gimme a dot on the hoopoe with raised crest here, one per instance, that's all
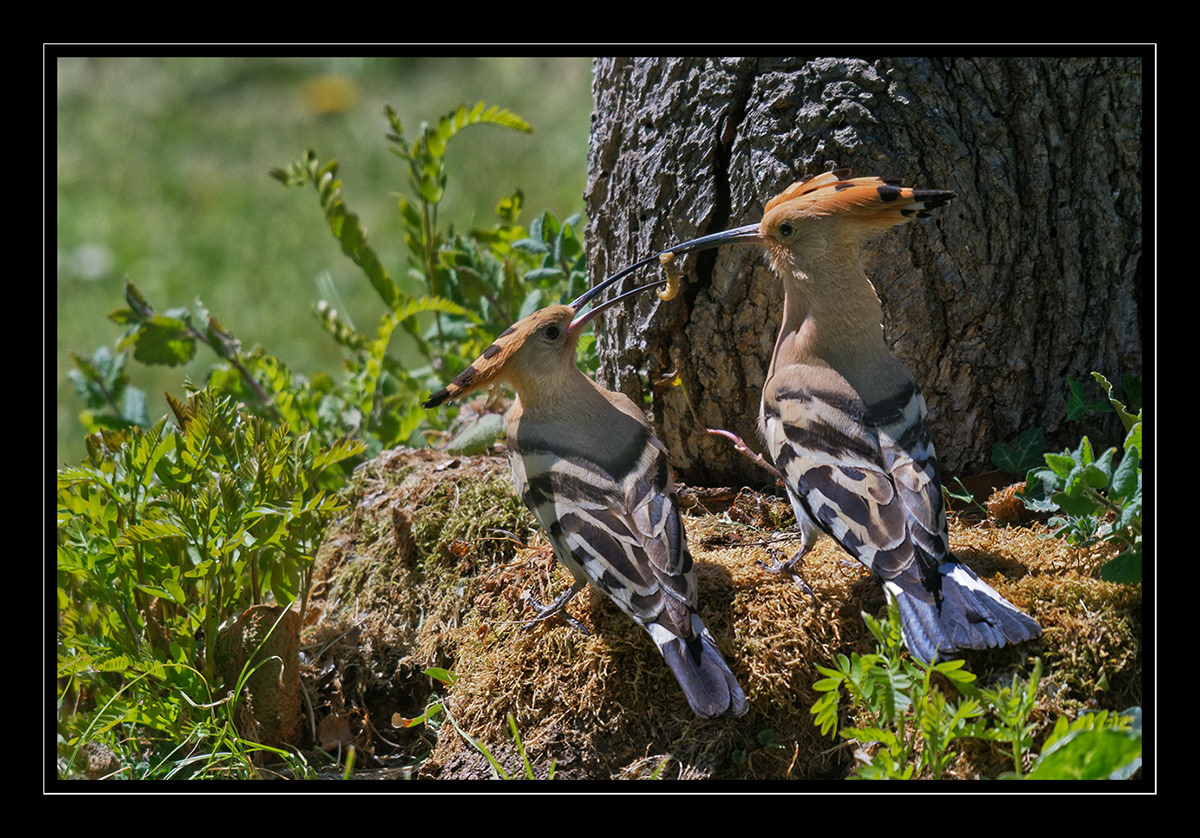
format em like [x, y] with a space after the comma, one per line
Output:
[843, 420]
[598, 481]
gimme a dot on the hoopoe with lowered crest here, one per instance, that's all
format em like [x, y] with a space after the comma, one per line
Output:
[598, 481]
[844, 421]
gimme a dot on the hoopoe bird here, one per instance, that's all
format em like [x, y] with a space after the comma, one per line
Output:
[598, 481]
[844, 421]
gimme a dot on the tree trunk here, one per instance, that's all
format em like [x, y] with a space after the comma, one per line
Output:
[1031, 277]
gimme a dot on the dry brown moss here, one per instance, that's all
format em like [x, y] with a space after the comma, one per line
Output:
[418, 576]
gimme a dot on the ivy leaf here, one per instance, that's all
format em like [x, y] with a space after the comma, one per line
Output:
[1021, 454]
[1078, 404]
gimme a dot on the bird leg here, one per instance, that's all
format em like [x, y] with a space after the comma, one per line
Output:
[776, 566]
[788, 567]
[558, 607]
[744, 449]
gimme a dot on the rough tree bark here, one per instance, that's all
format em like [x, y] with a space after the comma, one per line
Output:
[1032, 276]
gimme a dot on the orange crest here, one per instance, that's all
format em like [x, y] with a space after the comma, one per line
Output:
[879, 202]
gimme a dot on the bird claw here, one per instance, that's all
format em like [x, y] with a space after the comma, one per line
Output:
[556, 608]
[789, 567]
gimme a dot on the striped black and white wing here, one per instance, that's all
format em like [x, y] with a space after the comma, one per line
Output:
[866, 474]
[613, 520]
[612, 514]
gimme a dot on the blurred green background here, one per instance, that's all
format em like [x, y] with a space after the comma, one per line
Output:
[162, 178]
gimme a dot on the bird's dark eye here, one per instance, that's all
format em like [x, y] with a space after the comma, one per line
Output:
[786, 229]
[552, 333]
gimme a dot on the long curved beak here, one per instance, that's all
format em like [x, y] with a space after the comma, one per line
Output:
[595, 291]
[738, 235]
[581, 320]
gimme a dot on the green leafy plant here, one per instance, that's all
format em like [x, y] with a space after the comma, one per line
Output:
[165, 533]
[1025, 452]
[261, 383]
[1098, 498]
[103, 384]
[1012, 707]
[906, 717]
[207, 743]
[1019, 455]
[1096, 746]
[899, 707]
[475, 284]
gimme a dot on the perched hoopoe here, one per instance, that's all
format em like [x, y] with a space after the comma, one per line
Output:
[844, 421]
[598, 481]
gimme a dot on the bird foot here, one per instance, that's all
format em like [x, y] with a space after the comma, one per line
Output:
[556, 608]
[789, 567]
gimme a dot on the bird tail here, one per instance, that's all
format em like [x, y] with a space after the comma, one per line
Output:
[711, 689]
[972, 615]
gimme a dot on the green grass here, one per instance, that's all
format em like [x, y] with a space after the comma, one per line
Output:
[162, 177]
